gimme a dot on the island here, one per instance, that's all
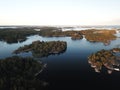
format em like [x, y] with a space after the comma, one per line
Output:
[75, 35]
[103, 35]
[15, 35]
[43, 49]
[105, 58]
[17, 73]
[92, 35]
[20, 34]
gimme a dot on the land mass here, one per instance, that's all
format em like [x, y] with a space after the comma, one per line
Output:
[43, 49]
[17, 73]
[14, 35]
[104, 35]
[106, 58]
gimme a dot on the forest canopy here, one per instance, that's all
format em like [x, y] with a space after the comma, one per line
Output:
[43, 49]
[17, 73]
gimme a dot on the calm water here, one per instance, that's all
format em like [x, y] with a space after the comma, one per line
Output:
[70, 69]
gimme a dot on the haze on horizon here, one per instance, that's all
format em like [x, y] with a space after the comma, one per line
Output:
[59, 12]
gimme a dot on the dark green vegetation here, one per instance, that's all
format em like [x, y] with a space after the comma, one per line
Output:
[73, 34]
[106, 58]
[43, 49]
[18, 73]
[15, 35]
[92, 35]
[104, 36]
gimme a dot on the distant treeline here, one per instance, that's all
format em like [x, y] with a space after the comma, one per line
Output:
[19, 34]
[99, 35]
[14, 35]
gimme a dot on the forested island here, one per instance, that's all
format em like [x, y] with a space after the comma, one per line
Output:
[43, 49]
[17, 73]
[104, 36]
[75, 35]
[15, 35]
[106, 58]
[20, 34]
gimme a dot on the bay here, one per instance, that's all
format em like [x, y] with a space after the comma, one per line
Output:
[71, 68]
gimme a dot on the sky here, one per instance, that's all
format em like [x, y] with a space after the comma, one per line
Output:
[59, 12]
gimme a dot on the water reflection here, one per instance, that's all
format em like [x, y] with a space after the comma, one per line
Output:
[18, 73]
[110, 59]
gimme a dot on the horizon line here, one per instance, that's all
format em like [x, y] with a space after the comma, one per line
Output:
[60, 25]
